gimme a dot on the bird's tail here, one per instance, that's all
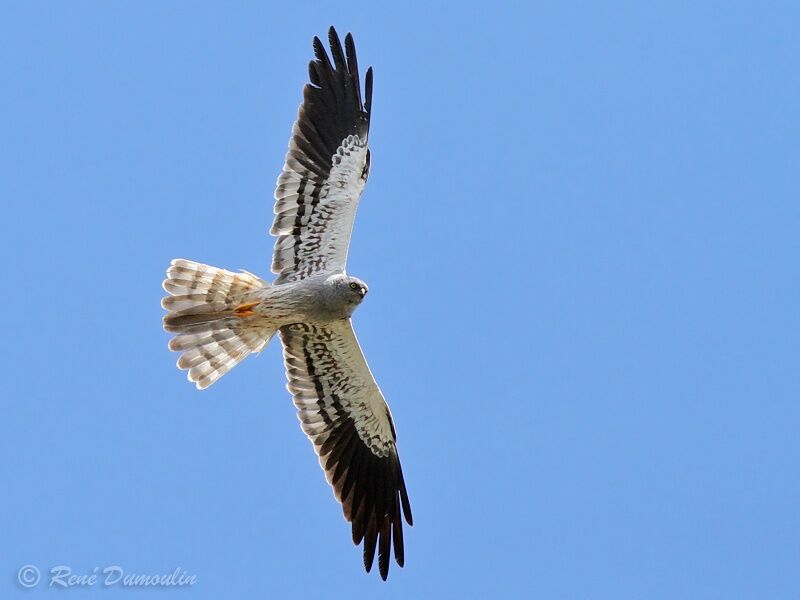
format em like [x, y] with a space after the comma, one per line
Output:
[208, 310]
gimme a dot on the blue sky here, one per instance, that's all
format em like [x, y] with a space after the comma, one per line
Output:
[580, 235]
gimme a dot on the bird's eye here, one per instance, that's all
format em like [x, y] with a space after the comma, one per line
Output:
[353, 285]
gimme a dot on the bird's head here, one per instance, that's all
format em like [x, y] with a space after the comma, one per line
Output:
[349, 291]
[356, 289]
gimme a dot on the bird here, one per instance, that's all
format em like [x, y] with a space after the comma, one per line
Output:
[219, 317]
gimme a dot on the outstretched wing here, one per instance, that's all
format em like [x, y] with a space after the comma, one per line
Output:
[343, 413]
[326, 167]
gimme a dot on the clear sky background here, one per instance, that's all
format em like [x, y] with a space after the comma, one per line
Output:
[580, 235]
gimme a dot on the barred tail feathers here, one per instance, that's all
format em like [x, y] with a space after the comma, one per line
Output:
[206, 311]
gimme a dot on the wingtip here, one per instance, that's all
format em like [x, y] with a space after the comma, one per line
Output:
[319, 49]
[368, 564]
[332, 34]
[336, 50]
[368, 91]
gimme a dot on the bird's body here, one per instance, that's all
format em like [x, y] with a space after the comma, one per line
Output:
[319, 300]
[220, 317]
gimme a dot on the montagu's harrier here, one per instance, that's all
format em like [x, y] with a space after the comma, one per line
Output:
[220, 317]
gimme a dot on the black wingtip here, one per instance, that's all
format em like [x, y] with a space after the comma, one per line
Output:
[339, 64]
[336, 49]
[370, 541]
[368, 92]
[369, 551]
[352, 64]
[319, 49]
[397, 536]
[385, 547]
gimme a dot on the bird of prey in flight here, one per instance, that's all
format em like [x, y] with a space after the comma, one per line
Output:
[219, 317]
